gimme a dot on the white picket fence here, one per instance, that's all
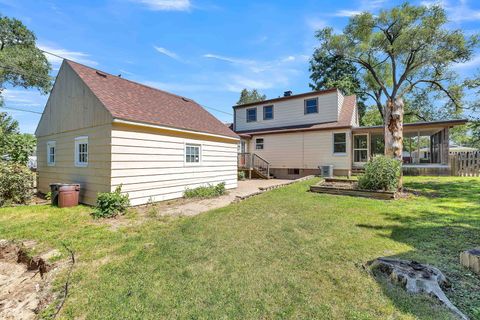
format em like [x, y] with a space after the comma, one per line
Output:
[466, 164]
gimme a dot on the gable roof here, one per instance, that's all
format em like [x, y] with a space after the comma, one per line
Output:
[132, 101]
[344, 121]
[293, 96]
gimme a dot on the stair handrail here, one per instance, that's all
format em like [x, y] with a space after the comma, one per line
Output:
[262, 160]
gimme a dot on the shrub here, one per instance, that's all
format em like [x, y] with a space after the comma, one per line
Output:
[16, 183]
[381, 173]
[110, 204]
[241, 175]
[206, 192]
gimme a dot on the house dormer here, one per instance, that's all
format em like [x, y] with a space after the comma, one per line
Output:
[290, 110]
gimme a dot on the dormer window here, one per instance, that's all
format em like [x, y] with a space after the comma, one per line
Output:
[267, 112]
[311, 106]
[252, 115]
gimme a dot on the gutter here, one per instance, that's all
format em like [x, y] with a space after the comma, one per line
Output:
[154, 126]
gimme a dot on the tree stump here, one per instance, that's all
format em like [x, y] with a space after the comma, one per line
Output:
[415, 277]
[471, 260]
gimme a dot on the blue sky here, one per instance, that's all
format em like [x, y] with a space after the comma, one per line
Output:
[203, 49]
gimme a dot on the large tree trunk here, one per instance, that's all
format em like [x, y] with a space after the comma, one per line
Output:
[393, 130]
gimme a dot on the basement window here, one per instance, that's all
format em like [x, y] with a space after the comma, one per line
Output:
[293, 171]
[81, 151]
[51, 148]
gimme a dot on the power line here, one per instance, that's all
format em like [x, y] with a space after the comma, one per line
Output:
[218, 110]
[58, 56]
[10, 108]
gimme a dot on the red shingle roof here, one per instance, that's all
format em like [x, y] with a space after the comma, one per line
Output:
[344, 121]
[131, 101]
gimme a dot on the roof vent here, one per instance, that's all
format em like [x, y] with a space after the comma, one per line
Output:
[287, 93]
[185, 99]
[101, 74]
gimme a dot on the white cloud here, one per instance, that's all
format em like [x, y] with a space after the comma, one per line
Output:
[364, 5]
[346, 13]
[167, 52]
[474, 63]
[55, 60]
[166, 5]
[227, 59]
[23, 98]
[316, 24]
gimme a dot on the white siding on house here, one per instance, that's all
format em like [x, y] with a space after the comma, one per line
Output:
[303, 150]
[149, 164]
[93, 178]
[291, 112]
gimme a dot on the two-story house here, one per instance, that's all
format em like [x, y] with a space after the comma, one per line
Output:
[292, 136]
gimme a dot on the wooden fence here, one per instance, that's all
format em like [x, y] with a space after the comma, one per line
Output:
[465, 164]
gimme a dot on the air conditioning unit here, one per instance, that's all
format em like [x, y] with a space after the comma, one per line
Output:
[327, 171]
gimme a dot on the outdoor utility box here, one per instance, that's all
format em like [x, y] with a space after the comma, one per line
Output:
[327, 171]
[65, 195]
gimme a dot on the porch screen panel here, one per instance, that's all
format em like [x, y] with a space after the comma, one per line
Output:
[360, 148]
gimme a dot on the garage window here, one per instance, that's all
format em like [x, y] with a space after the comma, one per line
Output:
[192, 153]
[51, 148]
[81, 151]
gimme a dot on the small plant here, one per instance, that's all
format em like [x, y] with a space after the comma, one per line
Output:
[209, 191]
[16, 183]
[110, 204]
[241, 175]
[381, 173]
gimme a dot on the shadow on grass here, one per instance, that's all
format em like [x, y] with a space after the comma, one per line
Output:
[438, 229]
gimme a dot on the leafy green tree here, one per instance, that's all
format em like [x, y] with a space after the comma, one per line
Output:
[399, 51]
[14, 146]
[328, 72]
[21, 62]
[250, 96]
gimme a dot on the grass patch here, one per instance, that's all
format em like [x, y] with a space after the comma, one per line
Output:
[286, 253]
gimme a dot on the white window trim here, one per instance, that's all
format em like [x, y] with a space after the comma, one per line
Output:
[49, 145]
[263, 144]
[339, 154]
[81, 140]
[360, 149]
[200, 154]
[256, 114]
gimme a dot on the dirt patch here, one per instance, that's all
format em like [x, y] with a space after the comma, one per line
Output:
[25, 281]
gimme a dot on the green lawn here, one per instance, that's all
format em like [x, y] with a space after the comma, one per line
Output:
[287, 253]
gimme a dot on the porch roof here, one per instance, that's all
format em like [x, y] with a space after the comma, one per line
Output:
[431, 125]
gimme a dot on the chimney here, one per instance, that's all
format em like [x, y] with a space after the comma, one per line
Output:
[287, 93]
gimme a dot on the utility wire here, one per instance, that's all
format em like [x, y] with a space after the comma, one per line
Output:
[10, 108]
[58, 56]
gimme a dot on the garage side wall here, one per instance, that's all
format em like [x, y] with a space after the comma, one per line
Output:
[150, 163]
[93, 178]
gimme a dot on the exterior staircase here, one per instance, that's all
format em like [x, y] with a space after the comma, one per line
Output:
[255, 164]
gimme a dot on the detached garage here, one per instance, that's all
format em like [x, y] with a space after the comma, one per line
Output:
[101, 131]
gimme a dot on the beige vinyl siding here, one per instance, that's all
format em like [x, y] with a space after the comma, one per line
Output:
[92, 179]
[71, 106]
[149, 163]
[291, 112]
[303, 150]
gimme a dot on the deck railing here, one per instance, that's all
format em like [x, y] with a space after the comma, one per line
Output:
[466, 164]
[244, 160]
